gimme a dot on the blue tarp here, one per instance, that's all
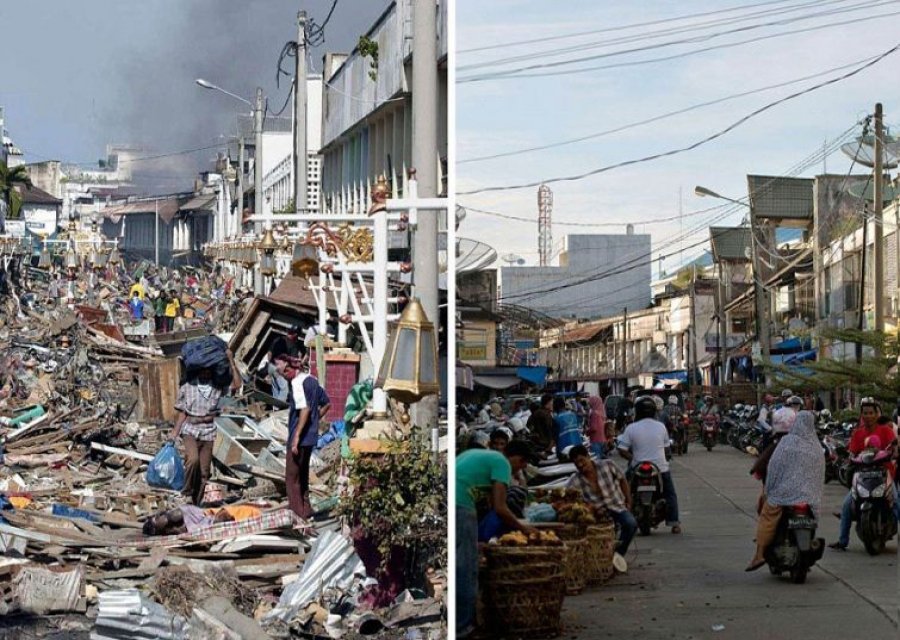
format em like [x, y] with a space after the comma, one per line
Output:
[535, 375]
[790, 359]
[792, 345]
[681, 376]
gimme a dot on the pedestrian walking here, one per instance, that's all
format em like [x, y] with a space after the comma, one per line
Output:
[309, 403]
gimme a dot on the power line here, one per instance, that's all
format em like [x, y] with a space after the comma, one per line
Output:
[697, 144]
[634, 25]
[516, 73]
[648, 259]
[658, 34]
[663, 116]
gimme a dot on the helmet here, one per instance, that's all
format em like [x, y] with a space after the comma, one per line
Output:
[783, 420]
[826, 414]
[794, 401]
[517, 425]
[673, 399]
[787, 393]
[506, 430]
[738, 406]
[481, 438]
[658, 402]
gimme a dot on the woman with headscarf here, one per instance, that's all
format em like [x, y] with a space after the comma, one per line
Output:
[796, 475]
[597, 426]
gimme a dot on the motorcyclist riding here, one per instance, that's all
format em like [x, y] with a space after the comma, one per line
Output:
[646, 440]
[869, 412]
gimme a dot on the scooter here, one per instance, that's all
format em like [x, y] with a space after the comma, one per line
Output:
[710, 431]
[649, 504]
[796, 547]
[872, 494]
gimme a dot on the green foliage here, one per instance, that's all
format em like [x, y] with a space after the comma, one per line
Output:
[874, 375]
[9, 178]
[399, 499]
[287, 208]
[368, 48]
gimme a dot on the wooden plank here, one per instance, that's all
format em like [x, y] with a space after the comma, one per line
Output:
[122, 452]
[158, 384]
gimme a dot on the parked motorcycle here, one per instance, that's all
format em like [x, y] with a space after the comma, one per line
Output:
[796, 547]
[647, 490]
[872, 494]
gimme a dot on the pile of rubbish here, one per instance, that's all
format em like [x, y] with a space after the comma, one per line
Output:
[82, 415]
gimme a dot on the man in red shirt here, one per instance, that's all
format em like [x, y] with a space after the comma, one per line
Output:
[869, 413]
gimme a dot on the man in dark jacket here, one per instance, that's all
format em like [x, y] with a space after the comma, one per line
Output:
[540, 425]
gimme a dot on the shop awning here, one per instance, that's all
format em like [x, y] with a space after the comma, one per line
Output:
[535, 375]
[790, 359]
[497, 382]
[673, 376]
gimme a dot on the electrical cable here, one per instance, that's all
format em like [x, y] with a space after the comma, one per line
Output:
[830, 148]
[508, 45]
[516, 73]
[663, 116]
[730, 209]
[543, 54]
[697, 144]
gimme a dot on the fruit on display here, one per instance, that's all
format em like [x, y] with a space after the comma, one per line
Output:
[576, 513]
[519, 539]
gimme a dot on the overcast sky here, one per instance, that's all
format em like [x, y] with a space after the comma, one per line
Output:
[501, 115]
[80, 74]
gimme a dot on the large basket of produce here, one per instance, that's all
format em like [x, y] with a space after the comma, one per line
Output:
[601, 543]
[525, 585]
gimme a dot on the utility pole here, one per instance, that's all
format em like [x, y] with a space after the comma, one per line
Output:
[878, 218]
[425, 159]
[860, 322]
[156, 231]
[762, 325]
[625, 345]
[300, 142]
[242, 180]
[258, 181]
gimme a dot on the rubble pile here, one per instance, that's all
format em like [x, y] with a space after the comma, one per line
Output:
[82, 413]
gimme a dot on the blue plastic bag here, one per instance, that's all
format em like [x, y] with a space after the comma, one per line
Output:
[166, 469]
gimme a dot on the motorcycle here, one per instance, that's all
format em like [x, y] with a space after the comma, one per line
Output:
[796, 547]
[710, 431]
[647, 489]
[680, 435]
[837, 462]
[872, 495]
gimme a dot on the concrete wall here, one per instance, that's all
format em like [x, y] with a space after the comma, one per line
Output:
[588, 257]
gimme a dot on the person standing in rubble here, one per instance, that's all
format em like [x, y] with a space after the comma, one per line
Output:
[309, 403]
[159, 312]
[198, 407]
[173, 308]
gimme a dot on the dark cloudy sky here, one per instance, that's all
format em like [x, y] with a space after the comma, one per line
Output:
[79, 74]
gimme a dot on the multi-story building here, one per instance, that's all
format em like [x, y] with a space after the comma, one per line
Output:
[278, 157]
[598, 275]
[367, 112]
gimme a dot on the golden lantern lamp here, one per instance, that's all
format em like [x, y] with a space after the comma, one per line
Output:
[114, 257]
[305, 261]
[44, 261]
[409, 368]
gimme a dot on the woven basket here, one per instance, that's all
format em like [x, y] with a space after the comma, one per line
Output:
[524, 590]
[573, 565]
[601, 543]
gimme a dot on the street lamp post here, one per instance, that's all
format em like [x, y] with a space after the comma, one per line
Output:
[257, 161]
[760, 293]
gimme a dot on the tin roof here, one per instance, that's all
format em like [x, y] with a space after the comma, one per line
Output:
[730, 243]
[781, 198]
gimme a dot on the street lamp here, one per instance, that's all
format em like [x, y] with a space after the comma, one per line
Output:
[268, 246]
[409, 366]
[209, 85]
[760, 293]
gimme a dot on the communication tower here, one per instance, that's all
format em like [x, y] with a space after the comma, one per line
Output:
[545, 224]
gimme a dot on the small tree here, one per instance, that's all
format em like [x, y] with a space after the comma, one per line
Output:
[9, 179]
[874, 374]
[398, 501]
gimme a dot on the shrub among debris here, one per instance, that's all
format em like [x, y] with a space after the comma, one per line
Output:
[398, 502]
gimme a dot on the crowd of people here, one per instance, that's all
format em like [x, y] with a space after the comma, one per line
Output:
[497, 447]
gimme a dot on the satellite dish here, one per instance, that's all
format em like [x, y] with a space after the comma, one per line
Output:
[512, 259]
[863, 150]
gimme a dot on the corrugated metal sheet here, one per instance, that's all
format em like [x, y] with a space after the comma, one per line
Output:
[200, 203]
[331, 563]
[781, 198]
[128, 615]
